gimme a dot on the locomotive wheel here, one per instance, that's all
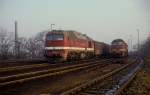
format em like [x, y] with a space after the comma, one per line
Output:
[71, 56]
[82, 55]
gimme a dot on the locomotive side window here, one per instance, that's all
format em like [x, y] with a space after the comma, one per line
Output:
[55, 37]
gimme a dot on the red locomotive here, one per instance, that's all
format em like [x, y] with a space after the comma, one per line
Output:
[119, 48]
[67, 45]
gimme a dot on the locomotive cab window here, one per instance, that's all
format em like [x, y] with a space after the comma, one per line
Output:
[55, 37]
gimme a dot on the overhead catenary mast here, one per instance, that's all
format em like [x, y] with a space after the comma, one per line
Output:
[52, 27]
[138, 41]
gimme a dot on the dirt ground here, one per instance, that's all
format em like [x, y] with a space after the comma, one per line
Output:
[141, 83]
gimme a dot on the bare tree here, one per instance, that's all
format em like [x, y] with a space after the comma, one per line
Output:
[29, 48]
[32, 47]
[40, 39]
[145, 48]
[6, 44]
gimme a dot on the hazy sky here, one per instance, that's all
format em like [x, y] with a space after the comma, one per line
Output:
[102, 20]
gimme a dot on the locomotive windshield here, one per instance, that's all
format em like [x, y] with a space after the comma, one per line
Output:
[55, 37]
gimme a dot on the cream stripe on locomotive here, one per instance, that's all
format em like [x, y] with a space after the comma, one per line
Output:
[72, 48]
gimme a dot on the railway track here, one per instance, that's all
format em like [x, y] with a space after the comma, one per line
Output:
[110, 83]
[21, 78]
[16, 70]
[39, 79]
[30, 66]
[126, 79]
[7, 71]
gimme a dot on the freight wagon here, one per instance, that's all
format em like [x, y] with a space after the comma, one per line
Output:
[101, 49]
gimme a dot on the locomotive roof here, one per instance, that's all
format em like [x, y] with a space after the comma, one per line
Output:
[71, 34]
[118, 40]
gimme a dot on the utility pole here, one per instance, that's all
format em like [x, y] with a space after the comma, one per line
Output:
[128, 42]
[16, 41]
[131, 42]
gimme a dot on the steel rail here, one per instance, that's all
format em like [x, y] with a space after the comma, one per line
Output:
[22, 67]
[22, 60]
[119, 91]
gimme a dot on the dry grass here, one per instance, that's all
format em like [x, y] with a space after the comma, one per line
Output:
[141, 84]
